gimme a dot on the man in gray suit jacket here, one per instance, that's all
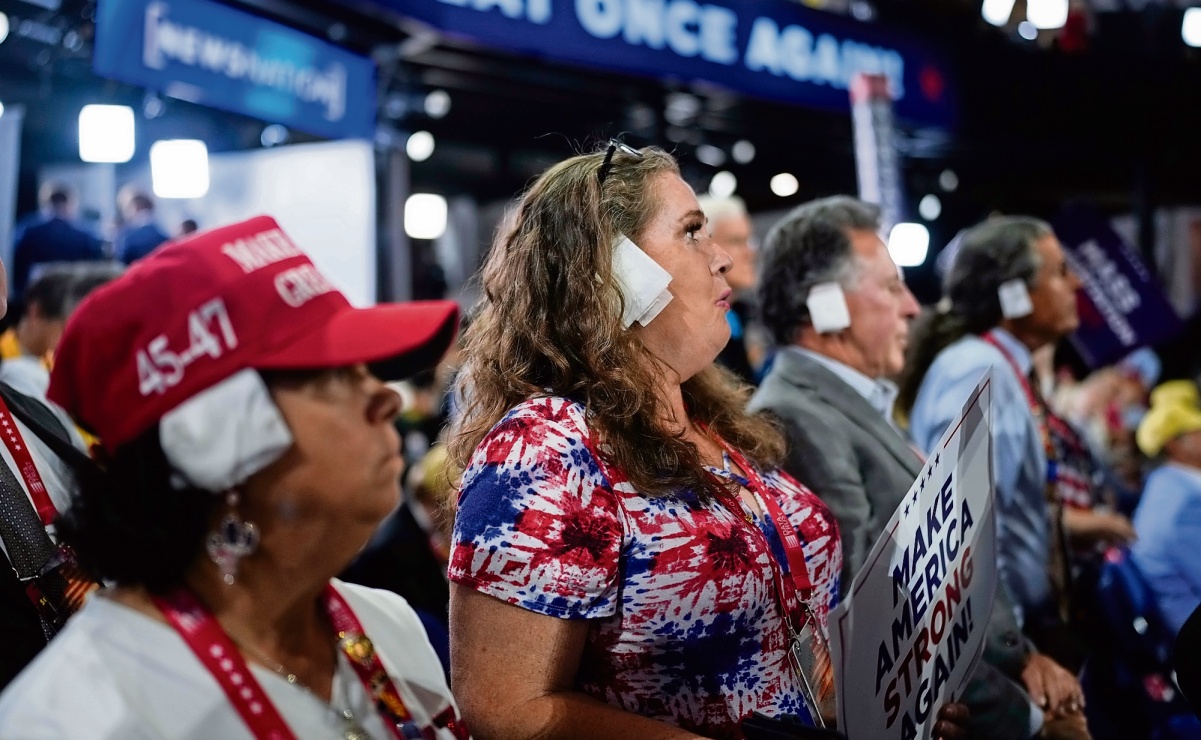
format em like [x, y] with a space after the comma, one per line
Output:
[840, 310]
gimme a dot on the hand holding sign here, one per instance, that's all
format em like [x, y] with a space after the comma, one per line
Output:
[909, 633]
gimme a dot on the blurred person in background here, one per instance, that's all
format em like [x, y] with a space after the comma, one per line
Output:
[27, 349]
[830, 390]
[249, 454]
[41, 585]
[731, 228]
[1168, 517]
[1008, 292]
[617, 565]
[410, 552]
[139, 234]
[52, 235]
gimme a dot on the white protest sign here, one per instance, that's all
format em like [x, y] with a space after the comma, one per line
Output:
[911, 629]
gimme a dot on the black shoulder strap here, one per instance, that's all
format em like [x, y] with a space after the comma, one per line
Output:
[48, 427]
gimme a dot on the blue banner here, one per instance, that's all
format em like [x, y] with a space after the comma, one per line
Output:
[1122, 307]
[210, 54]
[773, 49]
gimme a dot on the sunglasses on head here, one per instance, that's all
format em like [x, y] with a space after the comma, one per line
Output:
[607, 165]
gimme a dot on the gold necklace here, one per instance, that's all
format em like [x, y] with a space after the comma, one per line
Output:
[351, 729]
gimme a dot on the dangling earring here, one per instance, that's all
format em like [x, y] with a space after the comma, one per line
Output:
[233, 540]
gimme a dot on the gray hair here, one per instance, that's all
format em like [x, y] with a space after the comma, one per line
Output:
[719, 209]
[809, 246]
[992, 253]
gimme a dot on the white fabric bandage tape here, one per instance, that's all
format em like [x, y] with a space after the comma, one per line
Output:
[225, 434]
[642, 281]
[1015, 299]
[828, 310]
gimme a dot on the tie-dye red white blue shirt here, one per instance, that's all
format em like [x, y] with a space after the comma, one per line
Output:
[686, 622]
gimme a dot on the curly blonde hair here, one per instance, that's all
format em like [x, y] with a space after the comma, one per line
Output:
[549, 322]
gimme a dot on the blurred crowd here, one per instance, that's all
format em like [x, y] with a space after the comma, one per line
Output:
[618, 498]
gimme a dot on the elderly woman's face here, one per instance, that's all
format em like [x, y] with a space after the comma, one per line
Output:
[345, 465]
[692, 330]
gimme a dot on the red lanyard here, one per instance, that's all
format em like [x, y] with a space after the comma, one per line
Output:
[1037, 407]
[218, 653]
[24, 461]
[793, 550]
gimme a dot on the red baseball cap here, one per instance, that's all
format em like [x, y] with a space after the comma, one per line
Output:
[200, 309]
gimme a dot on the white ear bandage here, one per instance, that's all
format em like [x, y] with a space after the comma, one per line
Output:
[828, 310]
[226, 433]
[642, 281]
[1015, 299]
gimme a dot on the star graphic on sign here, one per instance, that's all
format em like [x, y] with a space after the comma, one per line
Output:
[937, 457]
[922, 487]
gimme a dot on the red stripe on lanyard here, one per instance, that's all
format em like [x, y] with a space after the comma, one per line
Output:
[25, 465]
[221, 656]
[1037, 408]
[209, 643]
[797, 567]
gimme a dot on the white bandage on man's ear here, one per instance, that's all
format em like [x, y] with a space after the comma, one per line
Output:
[642, 281]
[1015, 299]
[828, 310]
[225, 434]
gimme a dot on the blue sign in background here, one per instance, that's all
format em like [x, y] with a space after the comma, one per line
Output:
[1122, 307]
[767, 48]
[217, 56]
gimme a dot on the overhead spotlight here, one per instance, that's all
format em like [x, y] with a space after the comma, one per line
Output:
[179, 168]
[106, 133]
[682, 108]
[997, 12]
[274, 134]
[1, 110]
[420, 146]
[863, 11]
[948, 181]
[1047, 14]
[743, 152]
[1028, 30]
[1190, 29]
[437, 104]
[785, 184]
[3, 26]
[908, 244]
[710, 155]
[425, 216]
[152, 106]
[723, 184]
[930, 207]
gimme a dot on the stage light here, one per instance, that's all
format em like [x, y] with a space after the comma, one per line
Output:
[908, 244]
[710, 155]
[1047, 14]
[1190, 29]
[437, 104]
[425, 216]
[106, 133]
[997, 12]
[930, 207]
[743, 152]
[420, 146]
[785, 184]
[179, 168]
[723, 184]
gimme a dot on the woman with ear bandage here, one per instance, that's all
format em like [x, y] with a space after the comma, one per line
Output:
[248, 454]
[627, 559]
